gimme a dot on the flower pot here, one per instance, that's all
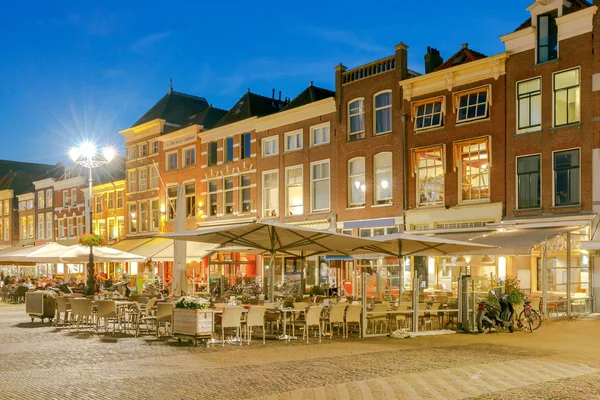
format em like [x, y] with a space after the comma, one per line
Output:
[192, 322]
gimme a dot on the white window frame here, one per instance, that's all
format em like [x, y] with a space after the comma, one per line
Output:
[554, 97]
[120, 200]
[167, 155]
[41, 224]
[423, 103]
[273, 142]
[79, 225]
[458, 163]
[361, 133]
[132, 183]
[350, 179]
[541, 180]
[151, 211]
[320, 127]
[41, 199]
[531, 128]
[171, 203]
[49, 225]
[143, 150]
[390, 169]
[184, 156]
[49, 198]
[187, 197]
[376, 109]
[554, 178]
[154, 147]
[287, 186]
[297, 133]
[153, 176]
[264, 205]
[242, 188]
[132, 152]
[225, 192]
[488, 103]
[143, 220]
[312, 180]
[133, 217]
[417, 168]
[66, 199]
[73, 197]
[209, 203]
[226, 153]
[143, 179]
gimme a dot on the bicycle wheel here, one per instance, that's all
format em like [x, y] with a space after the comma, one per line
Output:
[536, 320]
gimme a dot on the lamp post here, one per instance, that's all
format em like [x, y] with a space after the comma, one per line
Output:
[86, 155]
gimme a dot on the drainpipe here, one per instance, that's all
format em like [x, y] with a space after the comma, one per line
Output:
[404, 174]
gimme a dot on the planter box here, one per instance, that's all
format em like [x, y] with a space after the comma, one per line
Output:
[192, 322]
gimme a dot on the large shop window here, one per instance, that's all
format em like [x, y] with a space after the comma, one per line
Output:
[213, 205]
[566, 177]
[190, 200]
[246, 199]
[566, 97]
[383, 112]
[320, 186]
[528, 182]
[228, 195]
[547, 37]
[356, 120]
[428, 113]
[428, 166]
[172, 201]
[382, 164]
[529, 105]
[356, 182]
[294, 183]
[270, 194]
[473, 162]
[472, 105]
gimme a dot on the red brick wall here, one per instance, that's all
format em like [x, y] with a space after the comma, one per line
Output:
[573, 52]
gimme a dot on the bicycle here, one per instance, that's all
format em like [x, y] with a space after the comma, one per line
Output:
[529, 318]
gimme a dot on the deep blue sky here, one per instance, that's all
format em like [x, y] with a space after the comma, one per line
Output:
[89, 69]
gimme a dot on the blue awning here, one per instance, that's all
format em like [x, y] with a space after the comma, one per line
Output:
[338, 258]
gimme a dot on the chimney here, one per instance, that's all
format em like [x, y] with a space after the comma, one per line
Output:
[401, 60]
[432, 59]
[465, 45]
[273, 94]
[279, 95]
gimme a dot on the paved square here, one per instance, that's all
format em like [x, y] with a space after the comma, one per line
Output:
[561, 360]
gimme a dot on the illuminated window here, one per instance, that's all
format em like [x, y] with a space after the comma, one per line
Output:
[228, 195]
[529, 107]
[429, 171]
[154, 214]
[294, 199]
[356, 120]
[245, 183]
[566, 97]
[213, 206]
[356, 182]
[382, 165]
[190, 200]
[473, 163]
[270, 194]
[319, 176]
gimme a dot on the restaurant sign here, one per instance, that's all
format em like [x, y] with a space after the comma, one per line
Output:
[191, 138]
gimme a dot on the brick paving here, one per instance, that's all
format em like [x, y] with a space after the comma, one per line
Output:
[39, 361]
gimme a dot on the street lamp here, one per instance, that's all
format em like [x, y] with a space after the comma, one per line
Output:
[86, 155]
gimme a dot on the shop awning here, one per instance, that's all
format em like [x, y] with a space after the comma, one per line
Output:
[511, 241]
[130, 244]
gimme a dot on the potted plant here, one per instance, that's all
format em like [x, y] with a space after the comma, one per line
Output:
[192, 317]
[91, 240]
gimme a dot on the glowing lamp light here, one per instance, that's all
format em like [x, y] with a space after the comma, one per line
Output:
[74, 153]
[484, 166]
[132, 215]
[162, 208]
[363, 188]
[384, 184]
[431, 265]
[87, 149]
[357, 184]
[502, 268]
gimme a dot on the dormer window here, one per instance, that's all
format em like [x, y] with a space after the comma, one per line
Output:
[547, 37]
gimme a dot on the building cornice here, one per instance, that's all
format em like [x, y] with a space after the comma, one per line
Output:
[140, 131]
[25, 196]
[108, 187]
[447, 79]
[179, 133]
[245, 125]
[6, 194]
[71, 182]
[44, 183]
[298, 114]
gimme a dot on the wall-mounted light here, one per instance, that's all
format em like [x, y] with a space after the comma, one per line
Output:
[461, 259]
[487, 259]
[162, 208]
[431, 265]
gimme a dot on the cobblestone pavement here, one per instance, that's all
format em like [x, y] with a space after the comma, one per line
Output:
[39, 361]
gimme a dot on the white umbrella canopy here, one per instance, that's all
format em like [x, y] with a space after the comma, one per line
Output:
[408, 244]
[77, 254]
[38, 253]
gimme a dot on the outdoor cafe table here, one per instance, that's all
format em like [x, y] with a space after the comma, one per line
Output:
[284, 312]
